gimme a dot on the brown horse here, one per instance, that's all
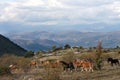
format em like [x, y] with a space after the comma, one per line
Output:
[51, 64]
[77, 64]
[33, 63]
[13, 67]
[45, 63]
[86, 65]
[55, 64]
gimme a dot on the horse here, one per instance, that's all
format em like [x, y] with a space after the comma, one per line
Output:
[33, 63]
[77, 64]
[55, 64]
[45, 63]
[86, 66]
[13, 67]
[113, 61]
[67, 66]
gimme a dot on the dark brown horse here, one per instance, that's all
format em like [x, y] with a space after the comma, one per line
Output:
[113, 61]
[67, 66]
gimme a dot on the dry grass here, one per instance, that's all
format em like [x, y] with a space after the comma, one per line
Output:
[42, 73]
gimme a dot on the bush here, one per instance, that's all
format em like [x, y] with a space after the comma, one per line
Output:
[69, 56]
[4, 70]
[67, 46]
[29, 54]
[99, 58]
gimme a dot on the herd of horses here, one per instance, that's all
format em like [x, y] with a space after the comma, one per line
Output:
[83, 65]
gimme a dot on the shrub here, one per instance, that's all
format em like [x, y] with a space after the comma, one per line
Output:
[99, 59]
[69, 56]
[4, 70]
[29, 54]
[67, 46]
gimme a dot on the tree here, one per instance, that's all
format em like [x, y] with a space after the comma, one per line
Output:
[53, 48]
[99, 55]
[67, 46]
[117, 47]
[29, 54]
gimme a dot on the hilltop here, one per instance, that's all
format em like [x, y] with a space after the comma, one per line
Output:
[7, 46]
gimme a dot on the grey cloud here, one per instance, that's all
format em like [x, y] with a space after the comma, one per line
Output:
[67, 12]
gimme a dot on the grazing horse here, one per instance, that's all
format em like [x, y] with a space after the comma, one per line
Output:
[113, 61]
[55, 64]
[13, 67]
[33, 63]
[67, 66]
[86, 66]
[45, 63]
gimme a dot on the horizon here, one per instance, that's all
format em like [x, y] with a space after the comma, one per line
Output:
[59, 15]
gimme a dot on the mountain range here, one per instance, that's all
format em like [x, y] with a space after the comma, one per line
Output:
[43, 40]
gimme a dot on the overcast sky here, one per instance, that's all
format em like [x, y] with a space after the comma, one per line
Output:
[18, 15]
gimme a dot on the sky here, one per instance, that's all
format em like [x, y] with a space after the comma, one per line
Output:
[55, 15]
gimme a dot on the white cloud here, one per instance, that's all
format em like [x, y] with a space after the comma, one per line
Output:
[55, 12]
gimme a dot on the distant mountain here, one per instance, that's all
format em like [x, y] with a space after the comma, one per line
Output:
[45, 40]
[35, 44]
[7, 46]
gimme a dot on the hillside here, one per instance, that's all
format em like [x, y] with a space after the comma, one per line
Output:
[46, 71]
[7, 46]
[45, 40]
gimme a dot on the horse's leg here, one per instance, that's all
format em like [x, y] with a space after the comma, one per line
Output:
[64, 68]
[91, 69]
[76, 68]
[111, 63]
[36, 66]
[82, 69]
[115, 63]
[70, 69]
[118, 63]
[86, 69]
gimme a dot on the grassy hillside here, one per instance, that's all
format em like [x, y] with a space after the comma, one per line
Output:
[25, 72]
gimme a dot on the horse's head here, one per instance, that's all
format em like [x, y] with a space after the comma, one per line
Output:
[57, 61]
[109, 59]
[82, 62]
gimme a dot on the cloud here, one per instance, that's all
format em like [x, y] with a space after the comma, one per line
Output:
[57, 12]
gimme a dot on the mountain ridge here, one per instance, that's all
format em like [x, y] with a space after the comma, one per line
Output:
[74, 38]
[9, 47]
